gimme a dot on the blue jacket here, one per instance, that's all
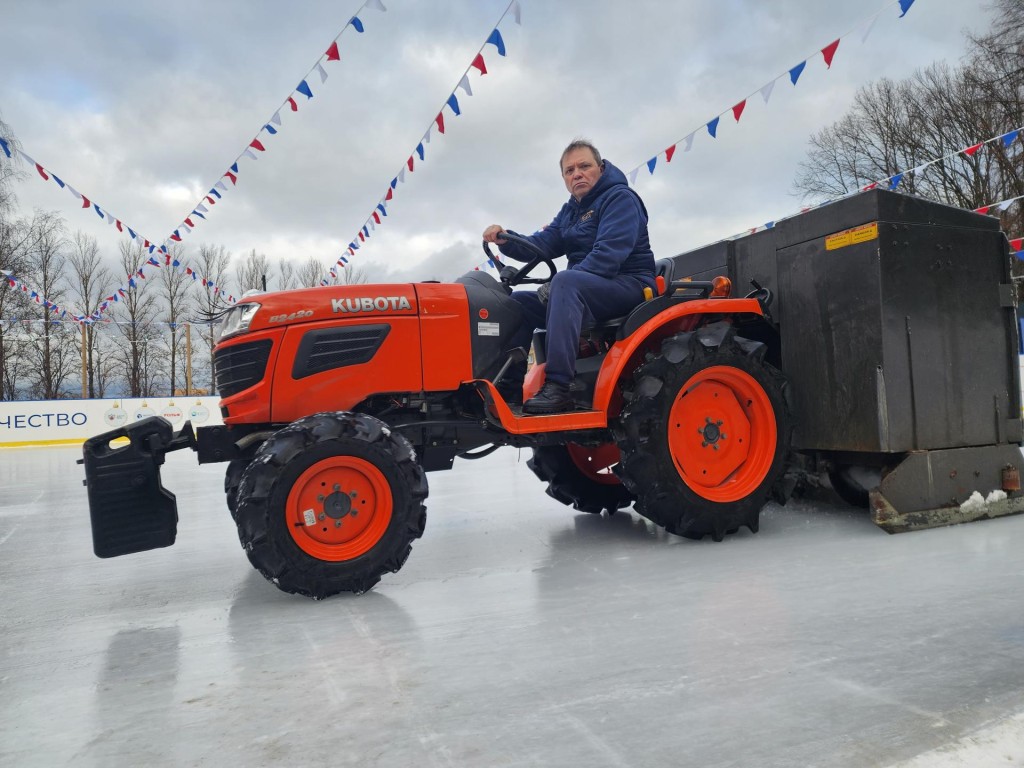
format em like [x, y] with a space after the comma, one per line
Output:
[604, 233]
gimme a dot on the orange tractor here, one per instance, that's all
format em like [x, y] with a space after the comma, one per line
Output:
[877, 345]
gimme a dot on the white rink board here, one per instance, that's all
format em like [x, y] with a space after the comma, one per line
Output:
[63, 422]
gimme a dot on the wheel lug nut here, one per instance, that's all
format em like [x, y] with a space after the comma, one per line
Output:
[337, 523]
[353, 494]
[337, 487]
[322, 516]
[320, 498]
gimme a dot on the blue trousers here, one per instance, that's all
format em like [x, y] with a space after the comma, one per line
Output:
[577, 299]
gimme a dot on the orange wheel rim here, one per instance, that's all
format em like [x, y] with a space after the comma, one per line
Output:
[596, 463]
[722, 433]
[339, 508]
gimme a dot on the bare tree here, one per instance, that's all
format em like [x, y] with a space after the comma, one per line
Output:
[310, 273]
[55, 354]
[134, 317]
[212, 266]
[287, 275]
[178, 293]
[252, 273]
[89, 281]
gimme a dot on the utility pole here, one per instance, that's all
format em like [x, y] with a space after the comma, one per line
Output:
[85, 367]
[188, 359]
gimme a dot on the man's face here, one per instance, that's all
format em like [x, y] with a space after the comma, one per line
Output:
[580, 172]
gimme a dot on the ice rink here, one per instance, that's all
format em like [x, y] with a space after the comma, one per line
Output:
[519, 633]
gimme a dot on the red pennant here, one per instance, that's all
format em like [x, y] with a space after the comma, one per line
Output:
[971, 150]
[409, 162]
[230, 175]
[42, 172]
[669, 152]
[332, 52]
[145, 243]
[294, 106]
[478, 62]
[829, 51]
[738, 110]
[983, 210]
[1015, 245]
[869, 187]
[212, 201]
[176, 238]
[390, 194]
[362, 237]
[117, 222]
[85, 202]
[440, 122]
[376, 217]
[189, 222]
[257, 144]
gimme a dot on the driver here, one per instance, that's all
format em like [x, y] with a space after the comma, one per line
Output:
[602, 230]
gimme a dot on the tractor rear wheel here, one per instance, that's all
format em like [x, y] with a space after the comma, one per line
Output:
[581, 476]
[232, 479]
[330, 503]
[704, 435]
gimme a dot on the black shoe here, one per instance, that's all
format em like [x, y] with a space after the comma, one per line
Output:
[552, 398]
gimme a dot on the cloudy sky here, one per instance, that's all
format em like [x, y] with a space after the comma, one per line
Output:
[143, 106]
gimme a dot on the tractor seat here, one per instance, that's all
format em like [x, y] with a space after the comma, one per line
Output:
[663, 277]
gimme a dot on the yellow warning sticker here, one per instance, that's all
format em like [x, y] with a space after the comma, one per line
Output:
[852, 236]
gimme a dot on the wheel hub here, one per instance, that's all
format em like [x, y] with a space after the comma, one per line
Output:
[338, 505]
[711, 433]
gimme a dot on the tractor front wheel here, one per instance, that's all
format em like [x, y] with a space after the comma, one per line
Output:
[330, 503]
[704, 435]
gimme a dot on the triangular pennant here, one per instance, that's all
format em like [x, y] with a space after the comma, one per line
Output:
[332, 52]
[440, 122]
[766, 91]
[419, 150]
[688, 145]
[408, 163]
[322, 72]
[795, 72]
[713, 127]
[651, 163]
[737, 110]
[257, 144]
[971, 150]
[1008, 138]
[276, 119]
[517, 12]
[829, 52]
[478, 62]
[867, 30]
[270, 129]
[905, 6]
[291, 103]
[632, 176]
[375, 4]
[895, 181]
[5, 147]
[669, 152]
[454, 104]
[303, 88]
[464, 85]
[497, 42]
[355, 22]
[42, 172]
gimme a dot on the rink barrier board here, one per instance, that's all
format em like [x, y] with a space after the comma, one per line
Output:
[41, 423]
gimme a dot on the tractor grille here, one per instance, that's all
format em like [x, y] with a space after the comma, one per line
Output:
[240, 366]
[329, 348]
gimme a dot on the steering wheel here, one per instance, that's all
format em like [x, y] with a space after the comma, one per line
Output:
[520, 277]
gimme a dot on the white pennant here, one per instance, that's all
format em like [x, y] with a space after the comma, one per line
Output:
[632, 176]
[276, 119]
[74, 192]
[322, 71]
[766, 92]
[250, 154]
[1007, 203]
[375, 4]
[202, 208]
[689, 143]
[220, 185]
[517, 12]
[401, 176]
[110, 219]
[464, 85]
[426, 136]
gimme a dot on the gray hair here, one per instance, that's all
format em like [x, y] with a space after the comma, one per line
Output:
[579, 143]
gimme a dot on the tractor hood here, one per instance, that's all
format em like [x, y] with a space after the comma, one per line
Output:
[305, 305]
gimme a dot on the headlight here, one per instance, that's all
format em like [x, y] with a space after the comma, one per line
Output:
[237, 319]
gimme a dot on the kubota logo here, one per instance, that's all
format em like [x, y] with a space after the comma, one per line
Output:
[366, 304]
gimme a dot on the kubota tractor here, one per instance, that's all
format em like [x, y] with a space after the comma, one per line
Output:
[876, 344]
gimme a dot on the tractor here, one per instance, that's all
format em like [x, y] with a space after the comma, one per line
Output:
[872, 341]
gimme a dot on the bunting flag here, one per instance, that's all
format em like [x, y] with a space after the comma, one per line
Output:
[827, 54]
[86, 204]
[272, 126]
[451, 102]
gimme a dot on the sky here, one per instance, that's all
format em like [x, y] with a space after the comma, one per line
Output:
[142, 107]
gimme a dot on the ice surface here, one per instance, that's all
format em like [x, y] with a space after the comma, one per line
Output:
[519, 633]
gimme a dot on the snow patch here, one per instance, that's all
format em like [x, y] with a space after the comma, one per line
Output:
[975, 503]
[996, 495]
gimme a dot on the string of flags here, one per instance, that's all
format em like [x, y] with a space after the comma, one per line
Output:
[159, 255]
[892, 182]
[16, 283]
[451, 104]
[827, 53]
[302, 94]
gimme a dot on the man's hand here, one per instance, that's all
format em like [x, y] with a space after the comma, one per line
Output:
[543, 292]
[493, 234]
